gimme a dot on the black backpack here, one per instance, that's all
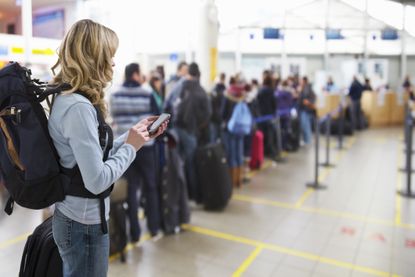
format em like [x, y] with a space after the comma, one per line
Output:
[40, 255]
[29, 161]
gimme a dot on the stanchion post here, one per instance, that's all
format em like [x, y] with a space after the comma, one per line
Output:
[328, 127]
[408, 191]
[407, 136]
[315, 184]
[340, 130]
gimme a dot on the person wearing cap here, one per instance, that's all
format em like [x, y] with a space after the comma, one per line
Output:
[191, 120]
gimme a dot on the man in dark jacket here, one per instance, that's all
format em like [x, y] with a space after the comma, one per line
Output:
[191, 120]
[307, 109]
[267, 107]
[128, 105]
[355, 94]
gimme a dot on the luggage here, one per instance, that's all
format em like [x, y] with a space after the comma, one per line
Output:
[335, 127]
[118, 219]
[257, 150]
[41, 256]
[173, 188]
[292, 136]
[213, 176]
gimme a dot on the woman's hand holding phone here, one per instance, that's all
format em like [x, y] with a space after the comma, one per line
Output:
[138, 135]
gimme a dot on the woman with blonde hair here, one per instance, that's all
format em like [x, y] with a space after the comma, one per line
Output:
[80, 220]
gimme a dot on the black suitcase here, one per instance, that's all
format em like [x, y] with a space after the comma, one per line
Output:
[213, 176]
[118, 219]
[292, 135]
[173, 188]
[40, 255]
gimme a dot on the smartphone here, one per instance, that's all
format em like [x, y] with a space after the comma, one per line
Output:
[152, 129]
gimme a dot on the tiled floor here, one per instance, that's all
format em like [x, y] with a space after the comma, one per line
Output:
[275, 226]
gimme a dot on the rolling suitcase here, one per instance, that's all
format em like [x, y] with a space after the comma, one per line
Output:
[173, 188]
[213, 176]
[257, 150]
[40, 255]
[118, 219]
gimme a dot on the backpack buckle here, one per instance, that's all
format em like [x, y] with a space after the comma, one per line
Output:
[16, 113]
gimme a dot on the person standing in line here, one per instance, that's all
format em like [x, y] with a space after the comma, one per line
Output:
[190, 121]
[218, 101]
[156, 85]
[367, 86]
[85, 62]
[129, 104]
[173, 86]
[267, 107]
[307, 109]
[355, 94]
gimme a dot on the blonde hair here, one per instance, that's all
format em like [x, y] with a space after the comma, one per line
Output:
[85, 60]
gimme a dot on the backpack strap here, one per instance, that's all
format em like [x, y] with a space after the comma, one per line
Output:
[77, 188]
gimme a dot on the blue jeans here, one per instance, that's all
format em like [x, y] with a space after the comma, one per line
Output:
[234, 149]
[187, 147]
[305, 119]
[84, 248]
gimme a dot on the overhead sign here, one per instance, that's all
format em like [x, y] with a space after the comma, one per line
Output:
[334, 34]
[272, 33]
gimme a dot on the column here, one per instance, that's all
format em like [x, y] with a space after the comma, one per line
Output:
[207, 41]
[27, 29]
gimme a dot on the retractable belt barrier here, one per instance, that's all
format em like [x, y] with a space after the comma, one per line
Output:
[326, 118]
[408, 132]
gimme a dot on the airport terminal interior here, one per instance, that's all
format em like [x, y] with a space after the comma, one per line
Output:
[317, 178]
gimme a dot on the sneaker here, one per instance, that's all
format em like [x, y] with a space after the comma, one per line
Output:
[157, 237]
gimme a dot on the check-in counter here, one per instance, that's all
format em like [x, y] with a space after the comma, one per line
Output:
[328, 103]
[383, 108]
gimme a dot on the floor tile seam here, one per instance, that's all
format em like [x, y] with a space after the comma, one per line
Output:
[285, 250]
[362, 235]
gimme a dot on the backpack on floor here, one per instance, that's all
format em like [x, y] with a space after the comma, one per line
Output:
[40, 255]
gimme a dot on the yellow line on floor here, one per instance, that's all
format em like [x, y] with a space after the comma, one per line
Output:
[129, 247]
[398, 199]
[323, 175]
[285, 250]
[247, 262]
[9, 242]
[398, 203]
[304, 197]
[325, 212]
[255, 200]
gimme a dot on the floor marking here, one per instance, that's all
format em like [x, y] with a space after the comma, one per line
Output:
[303, 198]
[398, 203]
[247, 262]
[285, 250]
[325, 212]
[130, 246]
[15, 240]
[322, 177]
